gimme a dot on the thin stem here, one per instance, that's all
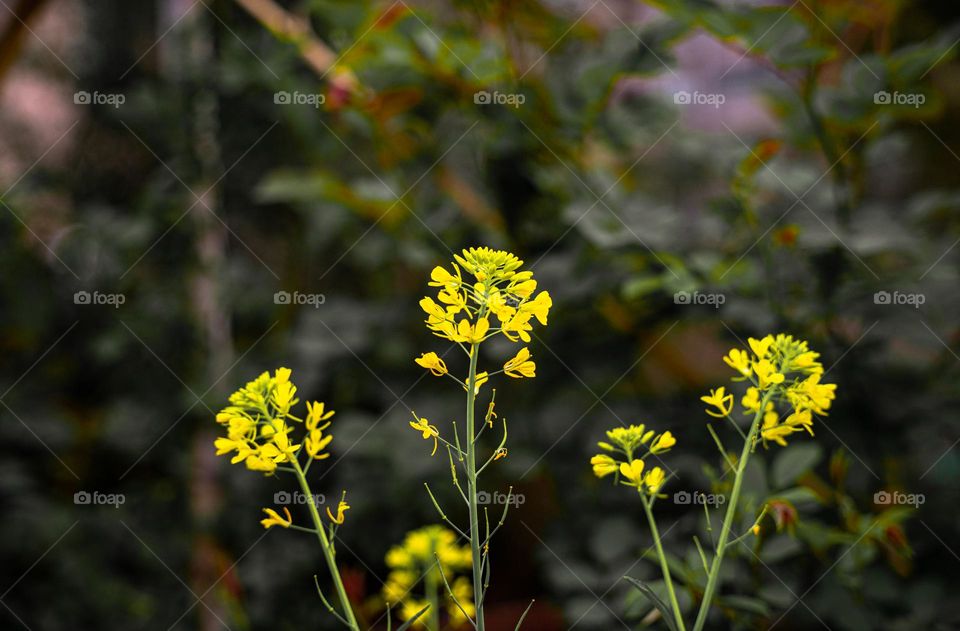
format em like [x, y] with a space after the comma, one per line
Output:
[325, 545]
[664, 567]
[713, 578]
[433, 597]
[472, 486]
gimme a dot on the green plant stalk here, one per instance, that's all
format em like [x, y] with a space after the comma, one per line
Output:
[472, 488]
[325, 545]
[433, 597]
[664, 567]
[714, 578]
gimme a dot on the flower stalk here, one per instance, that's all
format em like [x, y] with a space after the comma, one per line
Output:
[327, 546]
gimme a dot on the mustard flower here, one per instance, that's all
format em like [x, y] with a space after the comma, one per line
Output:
[417, 557]
[719, 399]
[433, 363]
[342, 508]
[632, 471]
[654, 479]
[782, 369]
[663, 443]
[498, 290]
[428, 431]
[603, 465]
[520, 365]
[274, 519]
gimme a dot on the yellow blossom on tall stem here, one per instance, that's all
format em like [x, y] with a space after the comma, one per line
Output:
[259, 423]
[784, 394]
[482, 294]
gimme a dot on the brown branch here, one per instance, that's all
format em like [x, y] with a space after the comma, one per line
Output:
[295, 29]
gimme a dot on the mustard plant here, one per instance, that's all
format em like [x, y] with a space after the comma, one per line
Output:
[783, 395]
[258, 424]
[431, 556]
[498, 300]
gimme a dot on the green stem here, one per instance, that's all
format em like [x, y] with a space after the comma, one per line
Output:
[325, 545]
[713, 579]
[472, 488]
[433, 597]
[664, 567]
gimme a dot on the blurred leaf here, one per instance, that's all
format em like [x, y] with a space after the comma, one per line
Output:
[794, 461]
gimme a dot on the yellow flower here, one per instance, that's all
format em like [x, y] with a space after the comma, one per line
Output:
[760, 348]
[342, 508]
[315, 443]
[472, 334]
[751, 400]
[719, 399]
[440, 277]
[629, 438]
[663, 442]
[316, 415]
[482, 378]
[739, 360]
[429, 431]
[767, 374]
[654, 479]
[603, 465]
[520, 365]
[778, 433]
[539, 307]
[274, 519]
[802, 419]
[433, 363]
[632, 471]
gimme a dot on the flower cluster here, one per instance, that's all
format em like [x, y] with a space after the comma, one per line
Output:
[630, 446]
[258, 428]
[464, 308]
[784, 372]
[416, 559]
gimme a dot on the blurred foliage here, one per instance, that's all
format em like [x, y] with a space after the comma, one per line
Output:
[798, 198]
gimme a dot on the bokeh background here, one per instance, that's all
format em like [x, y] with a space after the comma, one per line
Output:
[678, 174]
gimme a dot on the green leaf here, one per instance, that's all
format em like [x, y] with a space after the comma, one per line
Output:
[794, 461]
[654, 600]
[406, 625]
[748, 604]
